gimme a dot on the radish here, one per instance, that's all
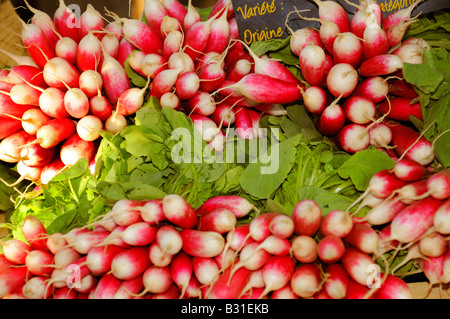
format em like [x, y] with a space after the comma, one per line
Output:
[181, 60]
[212, 76]
[360, 266]
[220, 34]
[399, 87]
[382, 64]
[224, 115]
[433, 245]
[330, 249]
[301, 37]
[400, 108]
[60, 74]
[259, 226]
[342, 79]
[175, 9]
[11, 145]
[383, 183]
[347, 48]
[375, 88]
[115, 123]
[65, 256]
[156, 280]
[99, 259]
[415, 220]
[306, 280]
[16, 251]
[205, 270]
[26, 74]
[333, 11]
[130, 263]
[20, 59]
[170, 99]
[229, 288]
[169, 239]
[178, 211]
[336, 282]
[332, 119]
[433, 269]
[312, 64]
[36, 288]
[66, 21]
[441, 220]
[385, 211]
[135, 61]
[164, 81]
[438, 185]
[393, 288]
[285, 292]
[24, 94]
[187, 85]
[37, 260]
[34, 232]
[218, 220]
[275, 109]
[152, 212]
[396, 33]
[158, 257]
[315, 99]
[282, 226]
[154, 13]
[89, 52]
[363, 237]
[86, 284]
[181, 271]
[337, 223]
[168, 25]
[304, 248]
[197, 37]
[410, 144]
[125, 48]
[359, 109]
[410, 53]
[51, 102]
[12, 279]
[90, 20]
[356, 290]
[380, 134]
[266, 89]
[153, 63]
[128, 288]
[239, 69]
[115, 78]
[126, 212]
[409, 170]
[307, 216]
[173, 42]
[36, 43]
[55, 242]
[107, 286]
[353, 138]
[90, 82]
[202, 243]
[75, 148]
[67, 48]
[413, 191]
[277, 272]
[142, 36]
[375, 41]
[84, 242]
[100, 107]
[89, 128]
[192, 16]
[131, 100]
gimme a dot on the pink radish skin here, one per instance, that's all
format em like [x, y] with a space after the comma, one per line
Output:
[34, 232]
[403, 138]
[236, 204]
[75, 148]
[64, 257]
[76, 103]
[24, 94]
[285, 292]
[10, 146]
[382, 64]
[99, 258]
[90, 20]
[9, 126]
[374, 88]
[152, 64]
[175, 9]
[36, 44]
[266, 89]
[277, 272]
[172, 43]
[393, 287]
[100, 107]
[187, 85]
[178, 211]
[130, 263]
[36, 288]
[375, 42]
[306, 280]
[301, 37]
[55, 242]
[359, 266]
[164, 81]
[60, 74]
[154, 13]
[128, 288]
[85, 242]
[169, 239]
[67, 48]
[333, 11]
[353, 138]
[224, 115]
[12, 279]
[259, 226]
[336, 283]
[16, 251]
[239, 69]
[363, 237]
[156, 280]
[330, 249]
[331, 120]
[197, 37]
[218, 220]
[107, 286]
[89, 52]
[139, 234]
[26, 74]
[37, 261]
[86, 285]
[347, 48]
[412, 222]
[192, 16]
[356, 290]
[202, 243]
[409, 170]
[51, 103]
[229, 288]
[337, 223]
[399, 87]
[181, 271]
[383, 183]
[413, 191]
[125, 48]
[66, 22]
[433, 269]
[312, 64]
[115, 78]
[220, 34]
[385, 211]
[126, 212]
[212, 76]
[307, 216]
[438, 184]
[142, 36]
[304, 249]
[158, 257]
[237, 238]
[400, 108]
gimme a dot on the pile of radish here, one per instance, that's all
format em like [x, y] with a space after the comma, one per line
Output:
[166, 249]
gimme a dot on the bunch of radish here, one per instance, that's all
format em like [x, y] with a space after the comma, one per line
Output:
[353, 67]
[166, 249]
